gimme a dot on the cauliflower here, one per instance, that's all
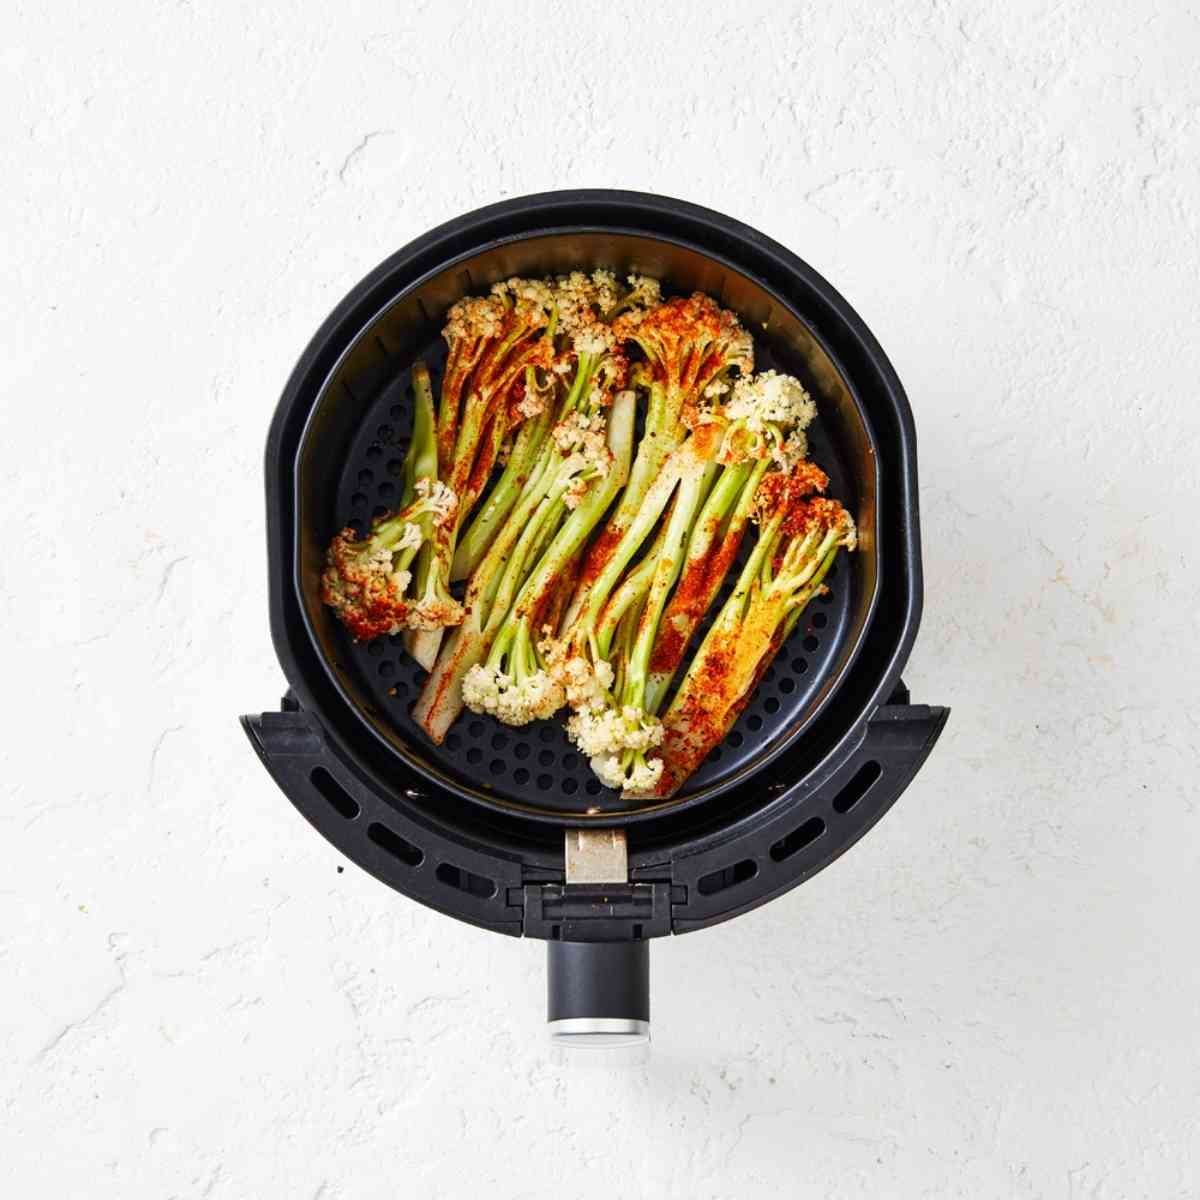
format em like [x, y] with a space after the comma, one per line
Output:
[411, 538]
[362, 585]
[643, 291]
[489, 689]
[638, 775]
[597, 731]
[474, 317]
[366, 582]
[584, 685]
[587, 436]
[438, 499]
[481, 688]
[770, 398]
[791, 452]
[528, 297]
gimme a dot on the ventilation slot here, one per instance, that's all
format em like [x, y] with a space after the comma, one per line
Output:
[728, 877]
[458, 877]
[339, 799]
[798, 839]
[864, 780]
[395, 845]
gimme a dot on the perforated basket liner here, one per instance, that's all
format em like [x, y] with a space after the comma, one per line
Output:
[535, 766]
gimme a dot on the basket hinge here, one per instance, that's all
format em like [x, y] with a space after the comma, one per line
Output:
[602, 912]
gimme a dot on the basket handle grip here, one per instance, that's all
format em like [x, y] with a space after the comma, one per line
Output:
[598, 993]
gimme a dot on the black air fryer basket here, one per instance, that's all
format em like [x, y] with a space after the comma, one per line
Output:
[508, 828]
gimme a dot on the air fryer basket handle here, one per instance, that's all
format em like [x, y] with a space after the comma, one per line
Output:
[598, 992]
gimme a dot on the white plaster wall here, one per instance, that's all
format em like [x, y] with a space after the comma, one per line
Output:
[994, 995]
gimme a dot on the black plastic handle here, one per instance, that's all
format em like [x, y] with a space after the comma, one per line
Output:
[598, 992]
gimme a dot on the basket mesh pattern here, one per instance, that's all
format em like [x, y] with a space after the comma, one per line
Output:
[535, 765]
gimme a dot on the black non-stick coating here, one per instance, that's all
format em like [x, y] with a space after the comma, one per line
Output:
[347, 470]
[536, 765]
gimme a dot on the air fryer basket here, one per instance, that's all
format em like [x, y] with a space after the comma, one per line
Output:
[350, 457]
[476, 828]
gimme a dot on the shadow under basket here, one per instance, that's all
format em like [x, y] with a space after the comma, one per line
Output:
[476, 827]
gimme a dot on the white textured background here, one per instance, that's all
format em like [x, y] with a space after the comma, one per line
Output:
[994, 995]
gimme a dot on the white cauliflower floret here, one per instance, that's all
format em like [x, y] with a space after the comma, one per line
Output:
[644, 291]
[642, 776]
[580, 302]
[489, 690]
[482, 688]
[443, 503]
[645, 775]
[530, 297]
[848, 532]
[605, 283]
[583, 685]
[607, 768]
[599, 731]
[792, 451]
[587, 437]
[587, 456]
[594, 339]
[770, 397]
[641, 731]
[535, 698]
[377, 562]
[474, 317]
[532, 403]
[596, 731]
[410, 537]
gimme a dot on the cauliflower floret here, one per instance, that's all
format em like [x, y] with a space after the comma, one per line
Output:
[644, 291]
[535, 698]
[490, 690]
[482, 687]
[361, 586]
[596, 731]
[599, 731]
[641, 731]
[531, 404]
[770, 397]
[474, 317]
[586, 437]
[594, 339]
[411, 537]
[791, 452]
[443, 503]
[642, 776]
[583, 685]
[581, 302]
[607, 768]
[605, 283]
[531, 298]
[830, 515]
[433, 614]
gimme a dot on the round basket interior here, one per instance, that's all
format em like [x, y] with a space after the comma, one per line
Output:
[347, 472]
